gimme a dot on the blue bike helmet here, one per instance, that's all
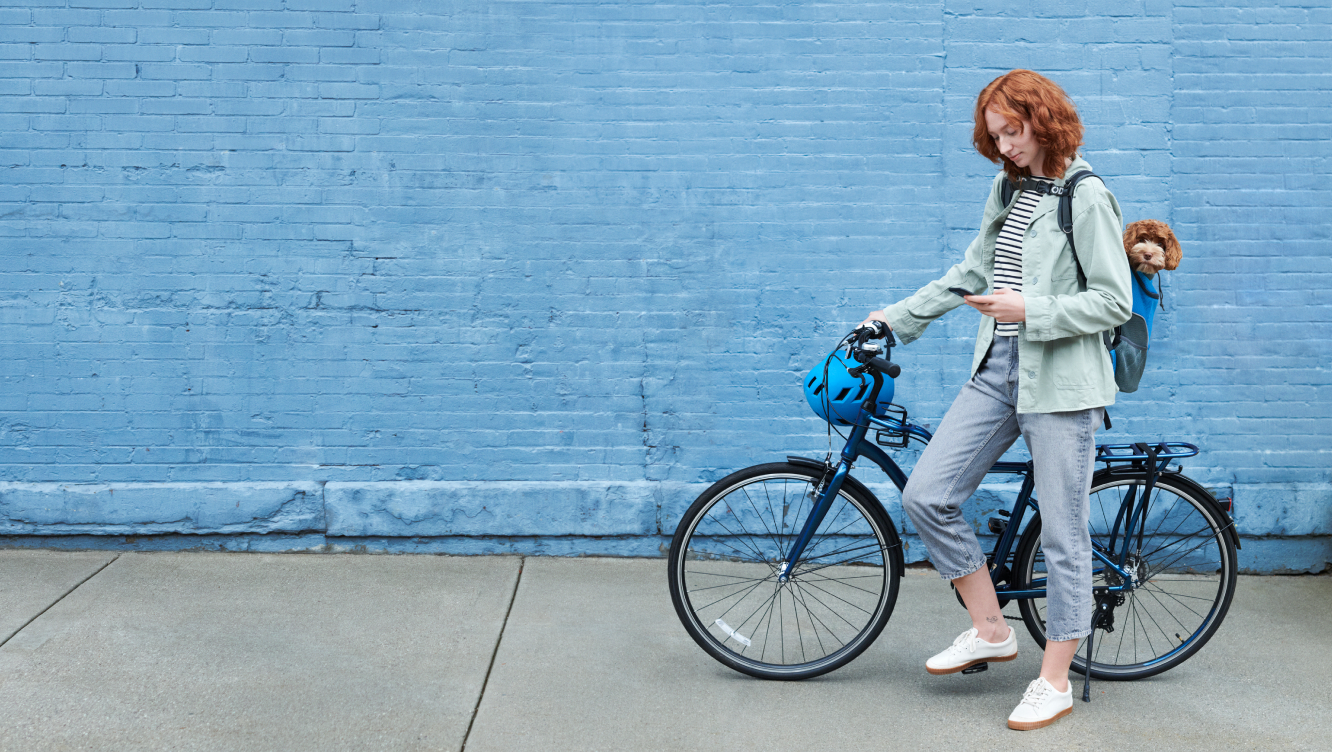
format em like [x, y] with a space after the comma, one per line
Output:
[835, 395]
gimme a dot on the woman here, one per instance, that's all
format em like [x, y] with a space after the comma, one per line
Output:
[1040, 371]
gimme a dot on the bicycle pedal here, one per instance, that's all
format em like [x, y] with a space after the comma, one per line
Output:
[979, 667]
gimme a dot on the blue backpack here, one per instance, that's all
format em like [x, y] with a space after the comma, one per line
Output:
[1128, 346]
[1127, 342]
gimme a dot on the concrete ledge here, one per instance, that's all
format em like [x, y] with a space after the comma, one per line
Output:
[1285, 527]
[1284, 508]
[270, 543]
[156, 508]
[647, 546]
[1310, 555]
[433, 508]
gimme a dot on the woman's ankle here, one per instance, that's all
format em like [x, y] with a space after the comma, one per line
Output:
[994, 633]
[1060, 683]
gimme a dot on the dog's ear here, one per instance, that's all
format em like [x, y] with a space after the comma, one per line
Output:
[1132, 234]
[1173, 253]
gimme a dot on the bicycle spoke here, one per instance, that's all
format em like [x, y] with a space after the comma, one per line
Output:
[757, 513]
[865, 546]
[778, 537]
[813, 618]
[831, 610]
[718, 574]
[1177, 558]
[719, 600]
[734, 536]
[1166, 516]
[1206, 528]
[744, 555]
[1172, 596]
[818, 539]
[748, 535]
[1167, 609]
[725, 584]
[1155, 623]
[767, 633]
[840, 582]
[838, 597]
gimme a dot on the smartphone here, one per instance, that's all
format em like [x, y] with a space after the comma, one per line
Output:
[958, 291]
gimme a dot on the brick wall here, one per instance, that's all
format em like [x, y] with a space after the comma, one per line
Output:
[482, 276]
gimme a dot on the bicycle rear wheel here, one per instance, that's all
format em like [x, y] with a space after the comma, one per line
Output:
[1183, 566]
[730, 546]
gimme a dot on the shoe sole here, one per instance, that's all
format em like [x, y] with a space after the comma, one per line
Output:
[963, 667]
[1033, 725]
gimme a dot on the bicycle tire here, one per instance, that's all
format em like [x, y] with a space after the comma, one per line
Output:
[724, 560]
[1187, 576]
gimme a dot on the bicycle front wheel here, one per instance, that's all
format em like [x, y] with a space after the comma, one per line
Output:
[1182, 562]
[730, 546]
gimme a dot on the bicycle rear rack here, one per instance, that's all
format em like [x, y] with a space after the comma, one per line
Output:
[1141, 452]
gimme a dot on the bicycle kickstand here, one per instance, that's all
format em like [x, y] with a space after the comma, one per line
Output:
[1096, 621]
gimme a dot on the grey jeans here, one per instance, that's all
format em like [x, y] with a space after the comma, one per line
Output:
[980, 426]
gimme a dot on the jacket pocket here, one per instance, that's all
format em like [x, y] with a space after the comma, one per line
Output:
[1079, 360]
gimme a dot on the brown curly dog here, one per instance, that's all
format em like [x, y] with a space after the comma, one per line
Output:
[1151, 247]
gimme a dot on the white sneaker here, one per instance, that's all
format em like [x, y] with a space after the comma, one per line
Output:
[1041, 705]
[969, 649]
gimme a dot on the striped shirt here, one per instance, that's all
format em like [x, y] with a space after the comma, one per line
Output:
[1008, 252]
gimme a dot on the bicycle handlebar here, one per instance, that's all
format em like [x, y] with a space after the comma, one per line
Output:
[867, 356]
[885, 366]
[876, 330]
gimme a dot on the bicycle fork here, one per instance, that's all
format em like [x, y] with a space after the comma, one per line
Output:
[820, 510]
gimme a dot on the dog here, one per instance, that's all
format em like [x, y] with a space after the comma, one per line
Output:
[1151, 247]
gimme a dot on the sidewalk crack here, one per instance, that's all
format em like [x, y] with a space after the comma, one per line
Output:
[498, 640]
[62, 597]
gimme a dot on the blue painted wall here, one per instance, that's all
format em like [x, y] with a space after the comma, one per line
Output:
[495, 276]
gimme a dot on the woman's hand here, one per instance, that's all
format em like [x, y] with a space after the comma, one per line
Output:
[1005, 306]
[877, 316]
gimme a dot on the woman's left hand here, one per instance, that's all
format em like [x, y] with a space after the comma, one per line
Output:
[1005, 306]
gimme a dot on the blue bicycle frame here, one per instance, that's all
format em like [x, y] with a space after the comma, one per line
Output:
[1133, 512]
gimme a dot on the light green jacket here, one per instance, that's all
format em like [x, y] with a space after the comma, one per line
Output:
[1062, 360]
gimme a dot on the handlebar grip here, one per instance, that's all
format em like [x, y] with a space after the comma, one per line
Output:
[875, 330]
[883, 366]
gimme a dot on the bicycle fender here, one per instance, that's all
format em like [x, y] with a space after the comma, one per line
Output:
[1231, 530]
[896, 541]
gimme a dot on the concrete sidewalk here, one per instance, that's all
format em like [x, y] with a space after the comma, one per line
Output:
[291, 652]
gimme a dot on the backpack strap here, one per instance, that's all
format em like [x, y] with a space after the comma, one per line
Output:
[1111, 338]
[1010, 187]
[1065, 195]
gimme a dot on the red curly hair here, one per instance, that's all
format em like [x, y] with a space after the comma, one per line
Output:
[1026, 95]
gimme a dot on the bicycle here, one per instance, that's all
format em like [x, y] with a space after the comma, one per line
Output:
[789, 570]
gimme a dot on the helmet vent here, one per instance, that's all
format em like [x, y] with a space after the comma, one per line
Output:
[812, 379]
[842, 394]
[861, 393]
